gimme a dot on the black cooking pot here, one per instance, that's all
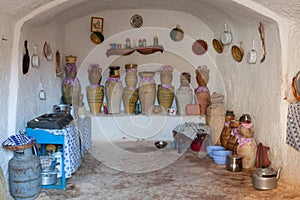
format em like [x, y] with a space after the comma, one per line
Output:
[62, 108]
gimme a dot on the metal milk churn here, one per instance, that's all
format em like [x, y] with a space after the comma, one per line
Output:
[24, 175]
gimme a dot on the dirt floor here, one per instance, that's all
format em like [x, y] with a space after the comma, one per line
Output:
[138, 170]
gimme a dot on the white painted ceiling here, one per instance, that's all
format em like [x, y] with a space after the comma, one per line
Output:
[207, 10]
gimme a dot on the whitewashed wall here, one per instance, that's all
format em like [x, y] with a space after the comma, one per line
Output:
[156, 22]
[252, 89]
[6, 31]
[29, 103]
[255, 89]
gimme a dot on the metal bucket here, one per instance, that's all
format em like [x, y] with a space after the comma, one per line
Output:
[24, 175]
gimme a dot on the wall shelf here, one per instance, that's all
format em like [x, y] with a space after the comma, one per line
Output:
[142, 50]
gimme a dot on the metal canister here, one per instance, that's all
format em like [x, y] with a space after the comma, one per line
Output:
[234, 163]
[24, 175]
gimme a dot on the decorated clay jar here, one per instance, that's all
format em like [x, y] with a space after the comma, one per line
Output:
[130, 92]
[113, 90]
[165, 93]
[94, 72]
[184, 94]
[71, 88]
[202, 94]
[147, 91]
[95, 91]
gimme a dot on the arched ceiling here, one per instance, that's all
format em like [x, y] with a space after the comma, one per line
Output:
[209, 11]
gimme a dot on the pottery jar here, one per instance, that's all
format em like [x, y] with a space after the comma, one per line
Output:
[247, 149]
[130, 97]
[202, 75]
[165, 93]
[131, 75]
[130, 93]
[147, 91]
[184, 94]
[185, 79]
[71, 88]
[202, 94]
[94, 72]
[95, 96]
[166, 75]
[113, 90]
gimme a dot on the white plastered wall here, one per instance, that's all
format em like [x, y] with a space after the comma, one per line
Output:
[269, 117]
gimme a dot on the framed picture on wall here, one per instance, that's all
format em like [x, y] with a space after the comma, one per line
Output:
[97, 24]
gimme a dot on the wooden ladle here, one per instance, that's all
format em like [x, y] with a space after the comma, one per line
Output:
[262, 37]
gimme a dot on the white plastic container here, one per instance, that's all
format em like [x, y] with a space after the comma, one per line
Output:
[58, 156]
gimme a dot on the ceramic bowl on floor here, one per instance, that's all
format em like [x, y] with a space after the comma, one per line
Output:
[221, 153]
[161, 144]
[210, 149]
[219, 160]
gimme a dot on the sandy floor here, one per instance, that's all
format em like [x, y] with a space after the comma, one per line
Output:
[137, 170]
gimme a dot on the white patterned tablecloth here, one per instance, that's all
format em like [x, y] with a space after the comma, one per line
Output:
[72, 157]
[293, 126]
[84, 127]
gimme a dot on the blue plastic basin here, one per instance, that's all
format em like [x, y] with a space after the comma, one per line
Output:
[210, 149]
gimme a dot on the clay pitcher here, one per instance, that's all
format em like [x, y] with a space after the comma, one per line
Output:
[94, 72]
[147, 91]
[113, 90]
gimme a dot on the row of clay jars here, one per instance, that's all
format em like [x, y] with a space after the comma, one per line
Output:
[113, 89]
[147, 91]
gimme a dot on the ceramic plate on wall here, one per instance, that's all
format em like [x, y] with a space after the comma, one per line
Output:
[177, 34]
[296, 86]
[218, 46]
[136, 21]
[97, 37]
[237, 53]
[199, 47]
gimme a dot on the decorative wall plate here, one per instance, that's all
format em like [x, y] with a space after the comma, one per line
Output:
[199, 47]
[136, 21]
[177, 34]
[218, 46]
[97, 37]
[237, 53]
[296, 86]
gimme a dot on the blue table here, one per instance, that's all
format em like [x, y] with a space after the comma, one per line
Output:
[71, 156]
